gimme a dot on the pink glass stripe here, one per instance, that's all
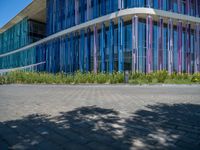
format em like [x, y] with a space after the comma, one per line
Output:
[188, 46]
[179, 6]
[197, 49]
[160, 4]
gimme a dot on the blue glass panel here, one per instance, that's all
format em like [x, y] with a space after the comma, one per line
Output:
[175, 65]
[141, 46]
[155, 47]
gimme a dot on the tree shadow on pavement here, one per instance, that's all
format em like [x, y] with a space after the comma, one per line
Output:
[159, 126]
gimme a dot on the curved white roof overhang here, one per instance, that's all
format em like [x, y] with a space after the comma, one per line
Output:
[36, 10]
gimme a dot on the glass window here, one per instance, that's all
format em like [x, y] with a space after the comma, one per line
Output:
[165, 58]
[175, 55]
[116, 48]
[128, 47]
[155, 46]
[142, 45]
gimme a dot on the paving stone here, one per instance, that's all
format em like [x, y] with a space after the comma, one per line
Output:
[99, 117]
[75, 146]
[47, 145]
[99, 146]
[3, 145]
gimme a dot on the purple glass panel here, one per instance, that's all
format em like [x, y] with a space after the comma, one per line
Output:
[135, 43]
[179, 46]
[170, 46]
[179, 6]
[188, 47]
[197, 49]
[160, 4]
[196, 8]
[188, 7]
[149, 28]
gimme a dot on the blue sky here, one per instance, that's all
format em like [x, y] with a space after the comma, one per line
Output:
[9, 9]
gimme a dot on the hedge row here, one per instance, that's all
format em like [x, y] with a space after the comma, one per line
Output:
[21, 77]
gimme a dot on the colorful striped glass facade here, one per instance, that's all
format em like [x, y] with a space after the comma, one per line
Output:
[23, 33]
[92, 38]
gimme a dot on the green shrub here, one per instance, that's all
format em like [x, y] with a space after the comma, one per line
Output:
[161, 76]
[180, 77]
[134, 82]
[149, 77]
[119, 77]
[115, 78]
[90, 77]
[196, 78]
[173, 75]
[101, 78]
[80, 78]
[68, 79]
[2, 80]
[136, 75]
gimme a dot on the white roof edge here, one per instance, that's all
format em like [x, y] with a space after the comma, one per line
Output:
[29, 11]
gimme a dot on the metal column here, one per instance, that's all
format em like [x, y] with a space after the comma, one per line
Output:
[188, 7]
[149, 30]
[95, 49]
[111, 46]
[160, 44]
[71, 53]
[76, 52]
[82, 50]
[120, 4]
[120, 45]
[89, 9]
[160, 4]
[88, 51]
[188, 48]
[179, 6]
[76, 12]
[135, 59]
[197, 49]
[103, 45]
[170, 46]
[180, 31]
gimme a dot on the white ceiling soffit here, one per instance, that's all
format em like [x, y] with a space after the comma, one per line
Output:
[36, 10]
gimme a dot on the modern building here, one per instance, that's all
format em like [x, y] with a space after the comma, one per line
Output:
[104, 36]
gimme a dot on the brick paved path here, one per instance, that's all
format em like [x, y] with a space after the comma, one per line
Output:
[99, 117]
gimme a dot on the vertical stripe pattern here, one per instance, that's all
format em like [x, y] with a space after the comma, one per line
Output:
[149, 28]
[135, 44]
[179, 46]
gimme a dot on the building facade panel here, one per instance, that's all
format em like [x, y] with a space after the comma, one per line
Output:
[138, 42]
